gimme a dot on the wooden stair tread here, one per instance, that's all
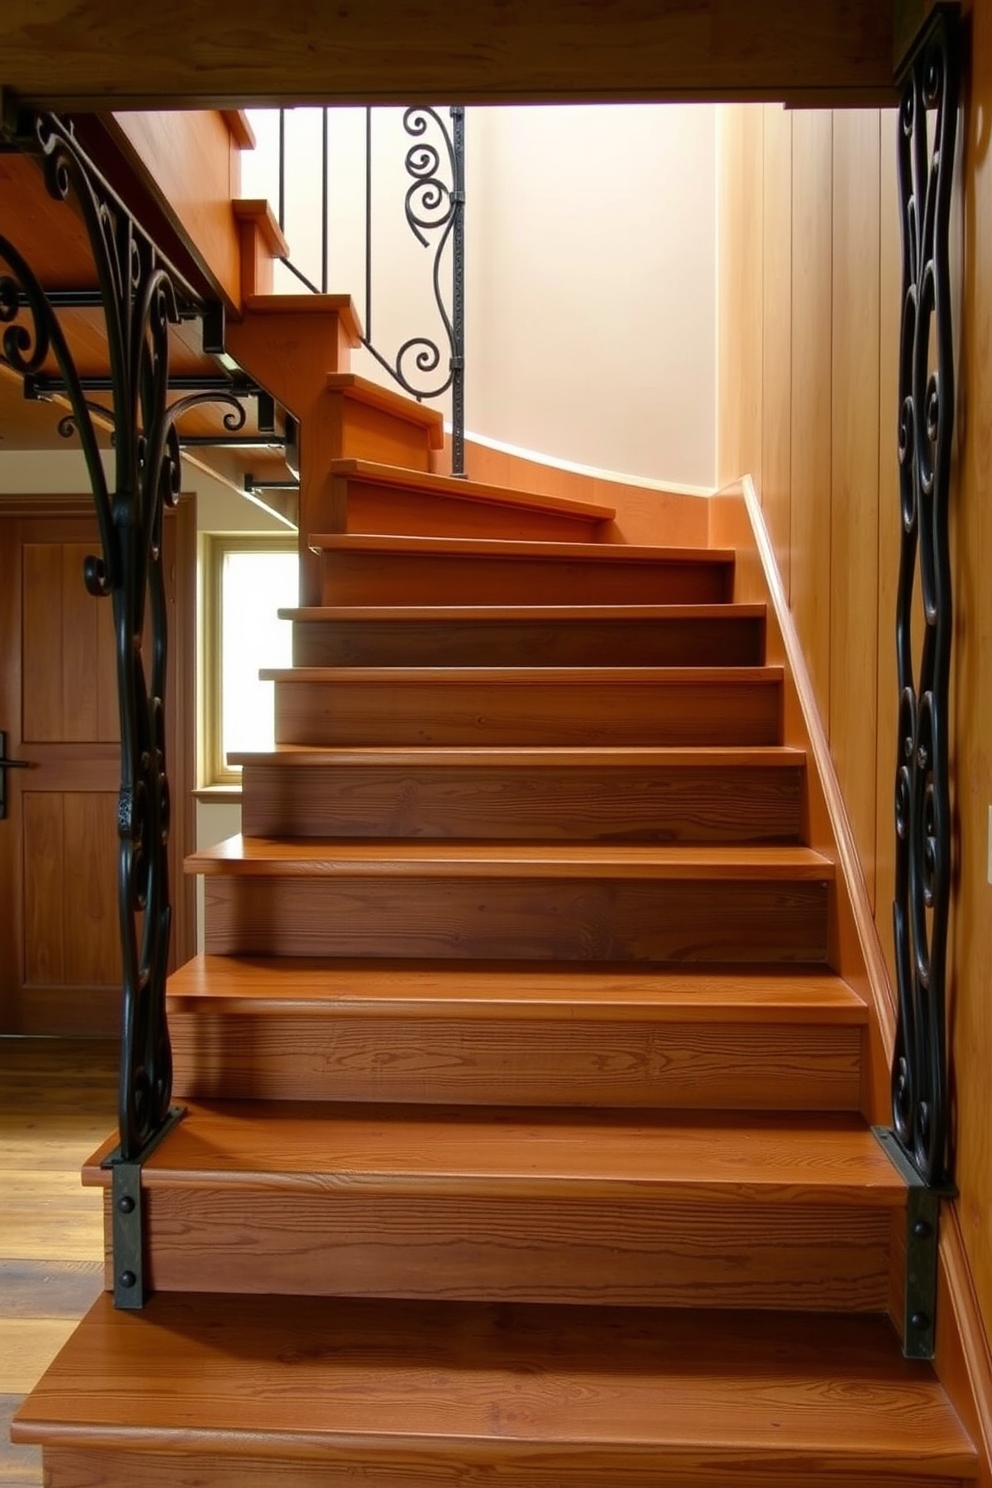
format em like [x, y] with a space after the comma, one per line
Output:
[508, 1152]
[516, 675]
[502, 614]
[269, 857]
[586, 1388]
[244, 985]
[428, 483]
[530, 757]
[563, 552]
[397, 404]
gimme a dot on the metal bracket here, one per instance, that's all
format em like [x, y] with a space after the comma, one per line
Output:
[128, 1229]
[922, 1228]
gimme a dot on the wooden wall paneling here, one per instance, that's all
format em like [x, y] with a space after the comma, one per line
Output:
[812, 231]
[739, 295]
[776, 355]
[890, 316]
[44, 888]
[970, 947]
[89, 875]
[42, 671]
[854, 471]
[80, 639]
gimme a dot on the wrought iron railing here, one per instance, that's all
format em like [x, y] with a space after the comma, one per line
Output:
[424, 366]
[141, 294]
[918, 1140]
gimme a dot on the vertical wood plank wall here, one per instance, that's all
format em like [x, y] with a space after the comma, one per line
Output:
[809, 289]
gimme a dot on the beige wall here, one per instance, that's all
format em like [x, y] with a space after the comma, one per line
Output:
[590, 278]
[809, 290]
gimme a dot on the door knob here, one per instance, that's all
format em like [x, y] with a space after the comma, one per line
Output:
[5, 765]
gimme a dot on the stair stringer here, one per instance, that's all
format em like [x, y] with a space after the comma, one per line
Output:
[963, 1361]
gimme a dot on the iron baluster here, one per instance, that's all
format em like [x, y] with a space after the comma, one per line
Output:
[141, 296]
[926, 426]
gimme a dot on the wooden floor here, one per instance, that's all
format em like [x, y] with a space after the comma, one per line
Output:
[57, 1103]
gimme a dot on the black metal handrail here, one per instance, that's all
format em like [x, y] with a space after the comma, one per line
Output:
[434, 208]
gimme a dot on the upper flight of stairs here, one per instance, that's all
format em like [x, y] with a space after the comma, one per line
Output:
[525, 1139]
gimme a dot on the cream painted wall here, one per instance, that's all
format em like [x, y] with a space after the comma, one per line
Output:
[590, 279]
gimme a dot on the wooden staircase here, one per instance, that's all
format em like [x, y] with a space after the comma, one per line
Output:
[524, 1141]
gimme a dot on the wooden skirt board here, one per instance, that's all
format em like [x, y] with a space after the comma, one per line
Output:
[60, 968]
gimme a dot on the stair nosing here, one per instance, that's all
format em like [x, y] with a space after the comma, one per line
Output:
[327, 858]
[559, 614]
[519, 548]
[536, 756]
[546, 676]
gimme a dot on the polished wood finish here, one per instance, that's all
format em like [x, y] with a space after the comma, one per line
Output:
[369, 422]
[643, 796]
[57, 1097]
[574, 706]
[536, 1394]
[59, 936]
[576, 635]
[368, 496]
[225, 58]
[373, 570]
[548, 918]
[495, 1035]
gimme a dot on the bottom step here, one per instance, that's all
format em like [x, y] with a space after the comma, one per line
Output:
[258, 1392]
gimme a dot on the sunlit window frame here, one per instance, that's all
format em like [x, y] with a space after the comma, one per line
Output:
[214, 770]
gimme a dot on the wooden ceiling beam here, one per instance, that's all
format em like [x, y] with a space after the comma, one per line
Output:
[99, 54]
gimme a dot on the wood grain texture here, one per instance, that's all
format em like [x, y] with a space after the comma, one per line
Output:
[735, 802]
[361, 570]
[776, 335]
[654, 1388]
[812, 410]
[689, 635]
[854, 472]
[740, 253]
[652, 1253]
[570, 919]
[232, 57]
[380, 476]
[517, 706]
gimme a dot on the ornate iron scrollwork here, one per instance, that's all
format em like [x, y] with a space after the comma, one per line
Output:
[141, 295]
[434, 205]
[928, 123]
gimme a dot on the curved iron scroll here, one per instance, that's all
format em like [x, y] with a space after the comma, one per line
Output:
[141, 294]
[435, 205]
[926, 426]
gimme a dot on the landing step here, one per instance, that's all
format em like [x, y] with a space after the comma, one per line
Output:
[229, 1390]
[708, 1209]
[515, 1035]
[274, 858]
[546, 635]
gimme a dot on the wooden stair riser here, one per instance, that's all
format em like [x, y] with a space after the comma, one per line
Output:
[709, 640]
[705, 1252]
[366, 710]
[367, 432]
[389, 578]
[614, 804]
[495, 1061]
[368, 506]
[256, 1466]
[525, 919]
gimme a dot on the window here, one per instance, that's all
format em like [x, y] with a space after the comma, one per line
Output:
[246, 582]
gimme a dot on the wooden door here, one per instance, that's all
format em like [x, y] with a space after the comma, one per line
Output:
[60, 960]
